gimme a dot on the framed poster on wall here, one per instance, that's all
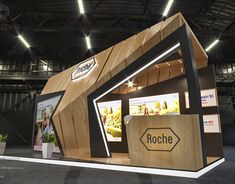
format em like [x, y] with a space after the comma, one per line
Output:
[211, 123]
[155, 105]
[111, 116]
[45, 108]
[208, 98]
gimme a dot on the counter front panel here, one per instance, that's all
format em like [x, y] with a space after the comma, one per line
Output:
[170, 141]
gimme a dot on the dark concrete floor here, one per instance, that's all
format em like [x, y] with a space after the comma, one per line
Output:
[14, 172]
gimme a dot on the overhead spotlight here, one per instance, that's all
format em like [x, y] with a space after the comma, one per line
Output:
[168, 6]
[23, 41]
[212, 45]
[88, 42]
[130, 84]
[139, 87]
[81, 7]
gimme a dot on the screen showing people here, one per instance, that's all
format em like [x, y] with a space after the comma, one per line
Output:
[43, 124]
[167, 104]
[111, 116]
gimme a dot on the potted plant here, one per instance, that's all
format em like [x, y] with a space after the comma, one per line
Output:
[48, 145]
[3, 139]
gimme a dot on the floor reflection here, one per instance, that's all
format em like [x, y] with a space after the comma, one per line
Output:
[72, 175]
[145, 178]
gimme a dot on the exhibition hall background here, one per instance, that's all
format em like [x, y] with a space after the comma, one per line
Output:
[17, 114]
[58, 43]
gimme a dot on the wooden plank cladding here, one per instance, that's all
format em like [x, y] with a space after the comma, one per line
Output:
[71, 116]
[178, 147]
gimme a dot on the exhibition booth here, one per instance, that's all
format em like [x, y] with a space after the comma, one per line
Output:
[147, 104]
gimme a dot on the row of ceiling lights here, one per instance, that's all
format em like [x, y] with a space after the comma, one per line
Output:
[87, 38]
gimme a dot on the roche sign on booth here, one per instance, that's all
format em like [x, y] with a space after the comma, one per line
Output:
[83, 69]
[159, 139]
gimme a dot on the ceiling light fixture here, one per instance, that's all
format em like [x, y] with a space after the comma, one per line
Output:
[88, 42]
[130, 84]
[81, 7]
[168, 6]
[24, 41]
[212, 45]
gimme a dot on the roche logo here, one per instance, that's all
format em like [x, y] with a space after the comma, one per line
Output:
[83, 69]
[159, 139]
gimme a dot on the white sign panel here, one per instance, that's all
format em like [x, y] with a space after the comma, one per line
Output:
[211, 123]
[208, 98]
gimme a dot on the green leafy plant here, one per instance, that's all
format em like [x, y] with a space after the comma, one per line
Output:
[48, 138]
[3, 138]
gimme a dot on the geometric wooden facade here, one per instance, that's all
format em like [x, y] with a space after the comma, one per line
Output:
[71, 117]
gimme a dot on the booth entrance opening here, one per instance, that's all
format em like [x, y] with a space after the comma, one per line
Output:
[138, 93]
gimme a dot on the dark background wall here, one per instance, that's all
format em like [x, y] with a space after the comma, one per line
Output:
[16, 117]
[175, 85]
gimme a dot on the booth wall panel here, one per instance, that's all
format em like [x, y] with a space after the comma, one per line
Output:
[102, 59]
[58, 127]
[175, 68]
[50, 86]
[75, 90]
[56, 82]
[101, 81]
[137, 49]
[91, 79]
[63, 78]
[153, 76]
[69, 109]
[80, 116]
[164, 72]
[72, 88]
[68, 79]
[215, 144]
[170, 25]
[69, 133]
[153, 37]
[118, 68]
[114, 59]
[186, 155]
[67, 95]
[143, 79]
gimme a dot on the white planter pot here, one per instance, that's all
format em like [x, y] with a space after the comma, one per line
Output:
[47, 150]
[2, 147]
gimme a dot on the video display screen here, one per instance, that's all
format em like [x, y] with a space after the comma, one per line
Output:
[43, 122]
[167, 104]
[111, 116]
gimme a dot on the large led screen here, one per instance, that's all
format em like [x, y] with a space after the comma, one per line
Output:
[111, 116]
[43, 124]
[155, 105]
